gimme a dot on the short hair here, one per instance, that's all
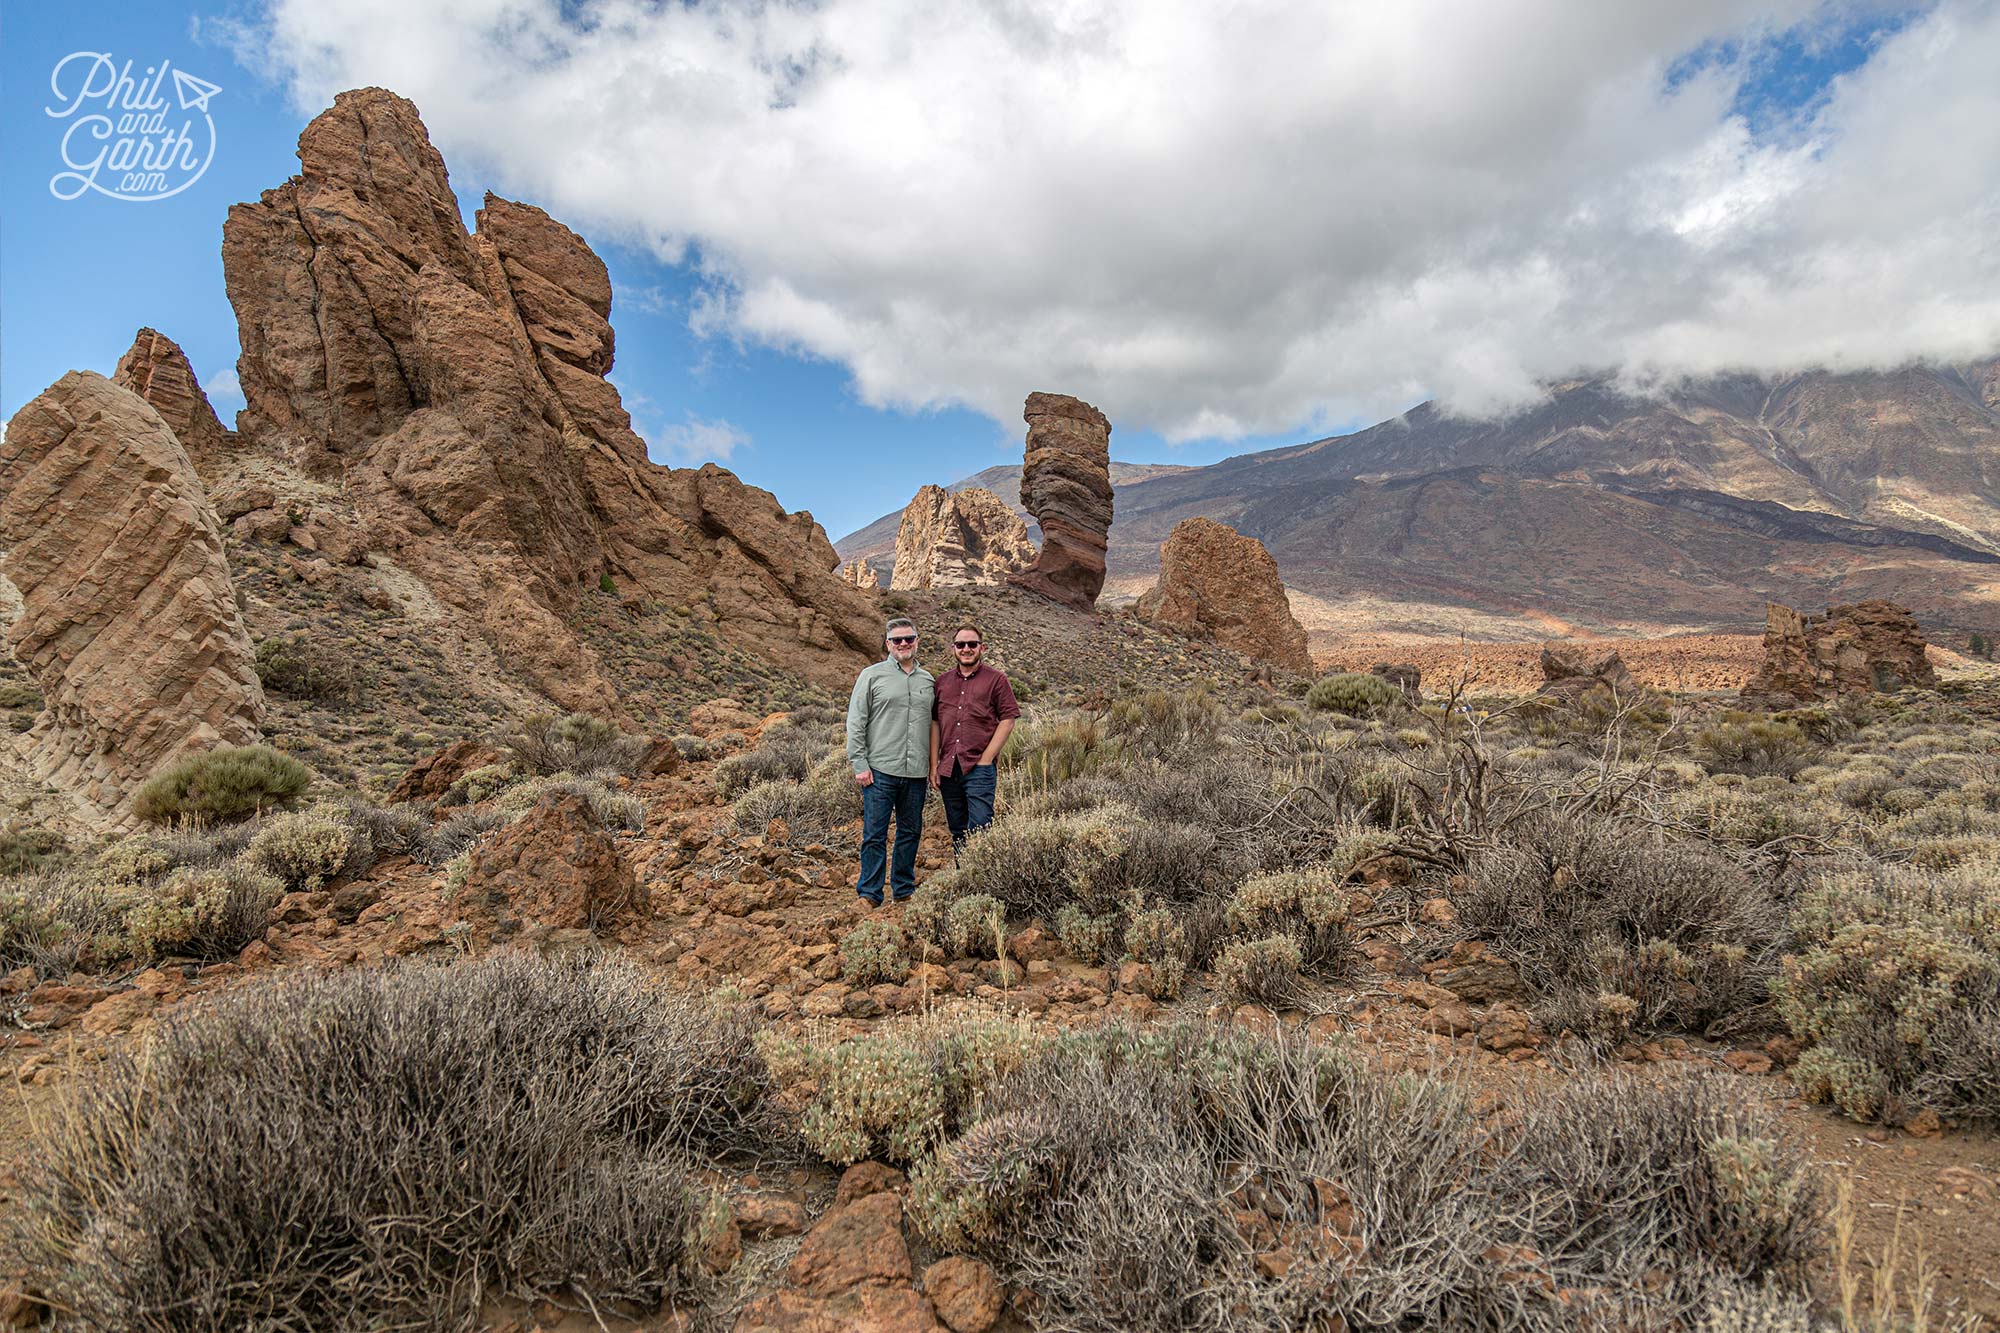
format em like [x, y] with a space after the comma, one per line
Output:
[899, 622]
[964, 625]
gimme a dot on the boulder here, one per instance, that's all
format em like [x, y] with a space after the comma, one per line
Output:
[1219, 584]
[128, 619]
[554, 869]
[965, 1292]
[959, 539]
[1569, 672]
[432, 776]
[1066, 485]
[156, 369]
[453, 383]
[1860, 649]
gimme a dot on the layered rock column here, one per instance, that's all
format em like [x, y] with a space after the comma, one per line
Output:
[156, 369]
[1869, 646]
[1066, 485]
[960, 539]
[1217, 583]
[129, 621]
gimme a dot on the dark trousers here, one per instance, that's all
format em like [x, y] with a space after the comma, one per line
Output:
[903, 798]
[968, 801]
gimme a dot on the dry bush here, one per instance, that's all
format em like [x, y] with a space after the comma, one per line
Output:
[1353, 694]
[304, 849]
[386, 1150]
[456, 835]
[787, 751]
[1168, 724]
[815, 810]
[612, 809]
[574, 743]
[1264, 971]
[1309, 906]
[874, 951]
[1589, 906]
[1756, 746]
[222, 785]
[1038, 865]
[1896, 986]
[1132, 1177]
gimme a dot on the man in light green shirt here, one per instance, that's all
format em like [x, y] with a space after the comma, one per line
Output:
[889, 749]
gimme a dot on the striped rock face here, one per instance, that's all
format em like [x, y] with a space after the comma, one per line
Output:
[1066, 485]
[128, 619]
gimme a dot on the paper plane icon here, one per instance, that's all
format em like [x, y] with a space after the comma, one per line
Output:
[194, 92]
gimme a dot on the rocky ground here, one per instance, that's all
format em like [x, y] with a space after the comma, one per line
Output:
[702, 904]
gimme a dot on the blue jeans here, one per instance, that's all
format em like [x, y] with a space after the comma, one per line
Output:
[904, 798]
[968, 801]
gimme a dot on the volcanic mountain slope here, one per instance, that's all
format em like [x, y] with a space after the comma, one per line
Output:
[1603, 510]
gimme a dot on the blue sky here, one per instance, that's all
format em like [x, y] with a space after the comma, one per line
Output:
[78, 277]
[1230, 231]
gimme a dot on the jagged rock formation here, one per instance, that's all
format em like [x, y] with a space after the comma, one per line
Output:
[556, 869]
[860, 574]
[156, 369]
[128, 622]
[1568, 673]
[454, 382]
[1216, 582]
[957, 539]
[1860, 649]
[1066, 485]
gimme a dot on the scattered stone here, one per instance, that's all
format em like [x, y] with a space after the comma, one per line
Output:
[1475, 974]
[856, 1242]
[866, 1178]
[1747, 1062]
[966, 1293]
[770, 1216]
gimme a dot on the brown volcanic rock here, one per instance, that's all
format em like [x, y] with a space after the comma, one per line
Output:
[1870, 646]
[861, 574]
[556, 869]
[1066, 485]
[129, 621]
[454, 381]
[1568, 671]
[956, 539]
[433, 775]
[156, 369]
[1216, 582]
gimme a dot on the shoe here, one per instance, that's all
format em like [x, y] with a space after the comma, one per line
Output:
[905, 897]
[871, 901]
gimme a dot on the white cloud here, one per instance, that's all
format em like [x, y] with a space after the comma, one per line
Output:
[225, 392]
[693, 441]
[1215, 219]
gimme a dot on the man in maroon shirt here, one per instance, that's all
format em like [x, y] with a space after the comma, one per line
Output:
[970, 718]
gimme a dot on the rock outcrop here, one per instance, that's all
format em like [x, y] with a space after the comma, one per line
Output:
[453, 381]
[156, 369]
[957, 539]
[129, 622]
[860, 574]
[1066, 485]
[1860, 649]
[554, 869]
[1568, 673]
[1216, 582]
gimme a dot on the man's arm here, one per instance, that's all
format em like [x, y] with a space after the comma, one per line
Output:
[937, 734]
[857, 731]
[999, 741]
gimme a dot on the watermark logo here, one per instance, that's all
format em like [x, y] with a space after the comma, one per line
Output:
[136, 137]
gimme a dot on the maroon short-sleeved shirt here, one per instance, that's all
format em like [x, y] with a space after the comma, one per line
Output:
[968, 710]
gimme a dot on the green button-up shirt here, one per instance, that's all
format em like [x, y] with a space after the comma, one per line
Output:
[889, 720]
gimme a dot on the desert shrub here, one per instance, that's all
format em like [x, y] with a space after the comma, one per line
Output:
[740, 772]
[612, 809]
[32, 935]
[1037, 865]
[874, 951]
[1309, 906]
[895, 1093]
[694, 749]
[1088, 937]
[303, 849]
[294, 667]
[18, 694]
[973, 926]
[1756, 746]
[1896, 980]
[456, 835]
[380, 1150]
[22, 850]
[481, 784]
[1168, 722]
[814, 811]
[1585, 907]
[1154, 936]
[222, 785]
[1048, 753]
[1145, 1178]
[574, 743]
[1264, 970]
[204, 912]
[1353, 694]
[1177, 862]
[1727, 813]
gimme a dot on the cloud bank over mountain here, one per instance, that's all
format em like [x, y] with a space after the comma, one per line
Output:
[1214, 220]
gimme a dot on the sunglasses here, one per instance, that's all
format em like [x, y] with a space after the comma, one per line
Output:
[902, 638]
[966, 643]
